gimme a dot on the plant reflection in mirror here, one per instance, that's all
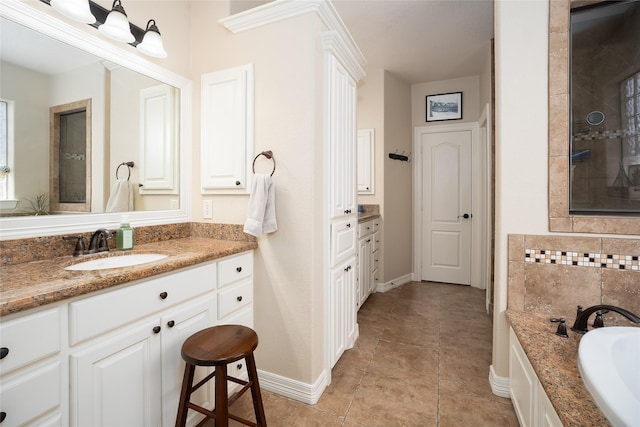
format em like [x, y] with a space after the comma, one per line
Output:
[39, 205]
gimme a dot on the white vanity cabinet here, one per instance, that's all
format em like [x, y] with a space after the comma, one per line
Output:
[342, 299]
[31, 370]
[113, 358]
[131, 375]
[530, 402]
[368, 258]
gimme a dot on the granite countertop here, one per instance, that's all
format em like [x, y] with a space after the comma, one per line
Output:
[554, 359]
[366, 216]
[33, 284]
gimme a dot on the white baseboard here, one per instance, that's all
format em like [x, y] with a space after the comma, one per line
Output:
[499, 385]
[387, 286]
[296, 390]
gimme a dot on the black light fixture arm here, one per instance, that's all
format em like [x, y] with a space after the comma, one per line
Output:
[101, 15]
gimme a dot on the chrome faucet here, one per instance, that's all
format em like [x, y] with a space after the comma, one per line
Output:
[580, 325]
[98, 242]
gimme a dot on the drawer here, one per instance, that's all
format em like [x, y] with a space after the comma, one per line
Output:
[343, 240]
[231, 270]
[243, 317]
[235, 298]
[92, 316]
[375, 241]
[30, 338]
[31, 394]
[364, 229]
[376, 225]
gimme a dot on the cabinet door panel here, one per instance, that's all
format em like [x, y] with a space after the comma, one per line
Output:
[177, 326]
[117, 382]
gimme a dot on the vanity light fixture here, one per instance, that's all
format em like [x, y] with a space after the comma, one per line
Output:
[116, 26]
[78, 10]
[152, 41]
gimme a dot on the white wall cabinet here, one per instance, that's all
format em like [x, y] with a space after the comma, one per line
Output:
[226, 140]
[340, 163]
[119, 364]
[530, 402]
[366, 170]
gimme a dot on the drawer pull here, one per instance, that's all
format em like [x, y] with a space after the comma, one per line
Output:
[238, 269]
[239, 366]
[3, 415]
[238, 182]
[171, 323]
[156, 329]
[239, 298]
[163, 295]
[349, 225]
[3, 352]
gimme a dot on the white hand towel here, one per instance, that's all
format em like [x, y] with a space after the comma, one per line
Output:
[121, 198]
[261, 212]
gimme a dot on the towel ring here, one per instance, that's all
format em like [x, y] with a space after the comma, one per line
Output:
[269, 155]
[129, 165]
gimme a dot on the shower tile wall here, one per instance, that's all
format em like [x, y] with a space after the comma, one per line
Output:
[592, 271]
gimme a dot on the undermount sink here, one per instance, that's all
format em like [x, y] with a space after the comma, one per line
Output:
[609, 363]
[124, 260]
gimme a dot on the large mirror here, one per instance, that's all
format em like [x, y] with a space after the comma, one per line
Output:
[127, 118]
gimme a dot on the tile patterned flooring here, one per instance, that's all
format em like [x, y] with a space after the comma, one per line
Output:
[422, 359]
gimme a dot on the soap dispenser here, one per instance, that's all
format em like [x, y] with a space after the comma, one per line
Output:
[124, 234]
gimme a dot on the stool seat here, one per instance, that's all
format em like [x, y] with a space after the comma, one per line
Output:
[218, 346]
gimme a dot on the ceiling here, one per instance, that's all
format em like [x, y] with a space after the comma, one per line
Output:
[421, 40]
[418, 40]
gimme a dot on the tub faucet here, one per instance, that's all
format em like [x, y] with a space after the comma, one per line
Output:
[98, 242]
[580, 325]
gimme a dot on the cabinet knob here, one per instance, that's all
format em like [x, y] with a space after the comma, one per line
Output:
[348, 225]
[171, 323]
[239, 366]
[3, 415]
[3, 352]
[239, 298]
[156, 329]
[238, 269]
[237, 182]
[163, 295]
[368, 240]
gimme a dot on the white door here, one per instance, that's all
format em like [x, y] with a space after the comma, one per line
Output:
[446, 206]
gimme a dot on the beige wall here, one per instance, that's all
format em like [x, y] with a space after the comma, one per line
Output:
[521, 143]
[384, 104]
[370, 111]
[397, 238]
[289, 278]
[470, 88]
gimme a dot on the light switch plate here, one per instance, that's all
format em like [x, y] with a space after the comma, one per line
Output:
[207, 209]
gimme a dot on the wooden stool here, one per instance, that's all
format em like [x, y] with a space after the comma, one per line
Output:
[218, 346]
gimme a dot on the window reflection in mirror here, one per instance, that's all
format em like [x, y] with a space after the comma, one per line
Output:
[605, 109]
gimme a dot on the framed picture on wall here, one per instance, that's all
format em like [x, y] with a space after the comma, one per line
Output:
[444, 106]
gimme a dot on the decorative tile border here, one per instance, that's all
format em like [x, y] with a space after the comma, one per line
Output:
[580, 259]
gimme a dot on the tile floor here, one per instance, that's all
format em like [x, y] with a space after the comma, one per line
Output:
[422, 359]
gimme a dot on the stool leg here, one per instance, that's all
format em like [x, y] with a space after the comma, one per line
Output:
[185, 394]
[261, 420]
[222, 404]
